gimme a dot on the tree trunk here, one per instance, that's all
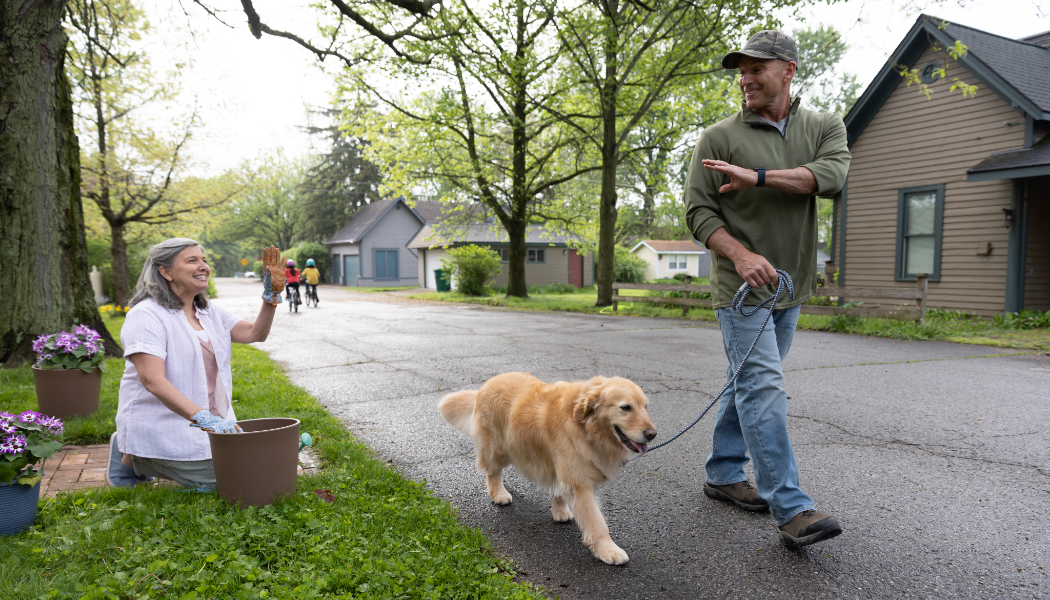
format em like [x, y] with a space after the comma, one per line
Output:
[610, 161]
[119, 252]
[42, 239]
[516, 285]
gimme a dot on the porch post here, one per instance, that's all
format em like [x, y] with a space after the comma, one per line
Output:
[1017, 248]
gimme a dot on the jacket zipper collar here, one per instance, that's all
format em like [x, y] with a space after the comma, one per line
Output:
[747, 112]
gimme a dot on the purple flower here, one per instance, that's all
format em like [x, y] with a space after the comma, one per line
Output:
[53, 424]
[67, 342]
[30, 416]
[6, 448]
[6, 415]
[38, 343]
[7, 427]
[87, 333]
[16, 441]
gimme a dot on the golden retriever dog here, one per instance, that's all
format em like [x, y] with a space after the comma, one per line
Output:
[567, 438]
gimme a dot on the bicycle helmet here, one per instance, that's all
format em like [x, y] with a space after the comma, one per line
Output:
[309, 262]
[290, 263]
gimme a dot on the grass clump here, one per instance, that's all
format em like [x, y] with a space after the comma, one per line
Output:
[383, 536]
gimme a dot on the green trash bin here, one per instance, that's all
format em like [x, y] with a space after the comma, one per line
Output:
[443, 284]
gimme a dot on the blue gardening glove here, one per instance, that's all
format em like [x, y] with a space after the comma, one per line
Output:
[273, 276]
[268, 295]
[209, 422]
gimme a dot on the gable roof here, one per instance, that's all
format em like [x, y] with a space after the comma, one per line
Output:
[1017, 70]
[431, 211]
[483, 233]
[677, 246]
[366, 218]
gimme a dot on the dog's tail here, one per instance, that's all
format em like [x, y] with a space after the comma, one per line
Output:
[458, 409]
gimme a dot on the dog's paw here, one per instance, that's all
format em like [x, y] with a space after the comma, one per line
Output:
[502, 498]
[610, 553]
[561, 515]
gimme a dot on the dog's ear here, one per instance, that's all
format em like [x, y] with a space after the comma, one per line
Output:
[587, 401]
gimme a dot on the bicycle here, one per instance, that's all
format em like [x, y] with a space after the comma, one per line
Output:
[294, 301]
[311, 294]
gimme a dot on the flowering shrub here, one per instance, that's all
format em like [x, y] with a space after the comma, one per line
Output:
[25, 440]
[115, 310]
[81, 349]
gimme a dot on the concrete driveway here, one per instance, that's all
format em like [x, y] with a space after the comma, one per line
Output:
[934, 456]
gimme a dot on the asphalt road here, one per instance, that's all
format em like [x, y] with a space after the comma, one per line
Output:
[934, 456]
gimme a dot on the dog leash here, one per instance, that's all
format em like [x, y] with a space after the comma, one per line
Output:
[738, 304]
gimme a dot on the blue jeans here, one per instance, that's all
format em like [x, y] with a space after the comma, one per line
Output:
[752, 415]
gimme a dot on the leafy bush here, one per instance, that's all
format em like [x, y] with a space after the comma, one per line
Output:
[307, 250]
[1026, 319]
[258, 268]
[211, 288]
[471, 266]
[628, 268]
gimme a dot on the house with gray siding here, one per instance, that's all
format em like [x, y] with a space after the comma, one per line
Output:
[549, 259]
[371, 249]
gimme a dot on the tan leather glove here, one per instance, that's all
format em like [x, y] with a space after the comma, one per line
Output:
[273, 276]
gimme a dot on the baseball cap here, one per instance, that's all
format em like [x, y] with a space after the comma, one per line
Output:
[765, 44]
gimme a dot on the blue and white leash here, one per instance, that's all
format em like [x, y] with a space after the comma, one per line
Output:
[738, 304]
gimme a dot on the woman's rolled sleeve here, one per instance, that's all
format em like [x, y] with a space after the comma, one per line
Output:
[143, 333]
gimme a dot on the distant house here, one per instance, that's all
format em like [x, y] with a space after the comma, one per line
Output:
[958, 189]
[669, 258]
[370, 249]
[549, 259]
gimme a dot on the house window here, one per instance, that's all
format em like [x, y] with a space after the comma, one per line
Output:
[504, 253]
[677, 262]
[919, 215]
[386, 264]
[536, 255]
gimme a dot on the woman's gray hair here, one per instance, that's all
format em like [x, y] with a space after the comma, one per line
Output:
[153, 285]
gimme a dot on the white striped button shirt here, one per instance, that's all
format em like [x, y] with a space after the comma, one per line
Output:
[146, 427]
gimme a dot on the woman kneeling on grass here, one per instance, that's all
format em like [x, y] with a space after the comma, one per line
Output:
[177, 352]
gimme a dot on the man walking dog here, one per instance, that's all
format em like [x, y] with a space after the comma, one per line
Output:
[751, 197]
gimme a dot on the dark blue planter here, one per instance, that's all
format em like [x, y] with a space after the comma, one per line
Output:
[18, 507]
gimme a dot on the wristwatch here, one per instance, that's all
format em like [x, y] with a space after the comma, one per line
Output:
[761, 176]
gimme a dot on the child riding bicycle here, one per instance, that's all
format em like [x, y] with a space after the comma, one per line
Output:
[293, 278]
[313, 276]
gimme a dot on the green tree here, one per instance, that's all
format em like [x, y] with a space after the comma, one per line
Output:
[341, 180]
[822, 87]
[479, 130]
[627, 58]
[41, 218]
[268, 209]
[127, 167]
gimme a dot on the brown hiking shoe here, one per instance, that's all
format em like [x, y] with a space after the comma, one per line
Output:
[741, 493]
[808, 527]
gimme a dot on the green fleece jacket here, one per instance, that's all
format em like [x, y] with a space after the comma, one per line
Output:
[778, 225]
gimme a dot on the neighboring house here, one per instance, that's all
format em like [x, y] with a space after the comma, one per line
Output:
[549, 258]
[669, 258]
[955, 188]
[370, 249]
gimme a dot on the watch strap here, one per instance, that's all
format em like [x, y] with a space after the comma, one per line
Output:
[761, 176]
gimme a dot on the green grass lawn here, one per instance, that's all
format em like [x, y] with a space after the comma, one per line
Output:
[384, 536]
[940, 325]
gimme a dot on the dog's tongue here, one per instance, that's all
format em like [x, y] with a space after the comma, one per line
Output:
[642, 448]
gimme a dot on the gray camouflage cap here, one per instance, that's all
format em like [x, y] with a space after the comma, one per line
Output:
[766, 44]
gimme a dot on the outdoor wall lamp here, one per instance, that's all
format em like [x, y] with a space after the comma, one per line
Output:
[1008, 218]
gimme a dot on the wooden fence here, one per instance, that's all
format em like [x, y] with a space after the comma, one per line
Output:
[900, 309]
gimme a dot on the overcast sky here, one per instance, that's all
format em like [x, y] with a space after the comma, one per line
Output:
[253, 92]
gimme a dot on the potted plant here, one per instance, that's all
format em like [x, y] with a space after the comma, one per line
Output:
[25, 440]
[68, 372]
